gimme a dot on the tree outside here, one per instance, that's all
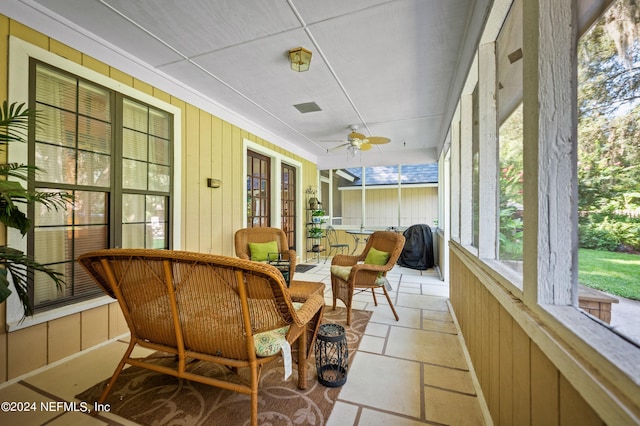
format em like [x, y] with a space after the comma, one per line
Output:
[609, 131]
[608, 157]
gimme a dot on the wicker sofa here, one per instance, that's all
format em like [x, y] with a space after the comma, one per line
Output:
[205, 307]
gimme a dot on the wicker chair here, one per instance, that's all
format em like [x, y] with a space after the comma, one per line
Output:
[204, 307]
[348, 276]
[244, 236]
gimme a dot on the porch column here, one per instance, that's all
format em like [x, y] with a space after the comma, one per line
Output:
[454, 222]
[550, 152]
[488, 161]
[466, 169]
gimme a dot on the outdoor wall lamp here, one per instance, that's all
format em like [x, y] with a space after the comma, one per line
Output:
[214, 183]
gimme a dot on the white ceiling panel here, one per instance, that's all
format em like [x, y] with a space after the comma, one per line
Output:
[394, 68]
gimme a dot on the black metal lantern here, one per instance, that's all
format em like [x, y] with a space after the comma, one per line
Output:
[332, 355]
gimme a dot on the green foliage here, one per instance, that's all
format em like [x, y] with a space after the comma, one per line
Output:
[592, 236]
[14, 123]
[511, 180]
[604, 231]
[511, 234]
[608, 130]
[315, 232]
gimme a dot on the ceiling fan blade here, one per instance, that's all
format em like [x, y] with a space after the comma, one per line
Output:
[356, 135]
[338, 147]
[378, 140]
[365, 146]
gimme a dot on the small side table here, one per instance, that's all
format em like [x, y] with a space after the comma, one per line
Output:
[301, 290]
[282, 263]
[332, 355]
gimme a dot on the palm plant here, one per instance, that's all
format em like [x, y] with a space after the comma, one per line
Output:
[14, 122]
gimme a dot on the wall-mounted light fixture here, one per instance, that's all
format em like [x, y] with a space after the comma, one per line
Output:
[214, 183]
[300, 59]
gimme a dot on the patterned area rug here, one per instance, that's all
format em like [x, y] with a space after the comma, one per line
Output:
[150, 398]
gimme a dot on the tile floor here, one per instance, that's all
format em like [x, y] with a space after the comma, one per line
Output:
[408, 372]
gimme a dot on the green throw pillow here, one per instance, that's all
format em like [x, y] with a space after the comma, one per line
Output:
[376, 257]
[260, 251]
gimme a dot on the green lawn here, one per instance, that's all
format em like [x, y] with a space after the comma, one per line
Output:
[613, 273]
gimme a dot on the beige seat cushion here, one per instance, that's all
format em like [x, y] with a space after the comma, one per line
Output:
[343, 273]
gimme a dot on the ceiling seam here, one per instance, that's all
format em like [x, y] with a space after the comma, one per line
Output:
[187, 59]
[326, 61]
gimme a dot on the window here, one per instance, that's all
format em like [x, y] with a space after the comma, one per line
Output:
[510, 136]
[608, 173]
[475, 167]
[258, 190]
[114, 155]
[383, 197]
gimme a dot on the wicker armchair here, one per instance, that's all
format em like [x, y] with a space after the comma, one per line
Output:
[204, 307]
[244, 236]
[348, 276]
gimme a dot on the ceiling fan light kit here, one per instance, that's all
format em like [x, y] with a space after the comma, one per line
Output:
[300, 59]
[359, 142]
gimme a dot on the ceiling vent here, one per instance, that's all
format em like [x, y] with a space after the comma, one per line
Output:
[307, 107]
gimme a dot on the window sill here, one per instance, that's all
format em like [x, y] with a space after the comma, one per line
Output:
[14, 325]
[609, 373]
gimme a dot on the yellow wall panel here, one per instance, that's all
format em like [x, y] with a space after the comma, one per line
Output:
[162, 95]
[26, 350]
[120, 76]
[218, 171]
[574, 410]
[4, 53]
[505, 376]
[531, 390]
[494, 357]
[521, 376]
[143, 87]
[3, 344]
[191, 177]
[205, 193]
[544, 389]
[94, 326]
[63, 338]
[65, 51]
[95, 65]
[117, 323]
[27, 34]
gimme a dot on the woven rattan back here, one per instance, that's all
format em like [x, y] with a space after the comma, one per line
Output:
[213, 304]
[387, 241]
[245, 236]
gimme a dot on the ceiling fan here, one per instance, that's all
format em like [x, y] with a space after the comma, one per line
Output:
[359, 142]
